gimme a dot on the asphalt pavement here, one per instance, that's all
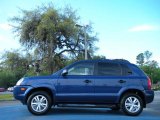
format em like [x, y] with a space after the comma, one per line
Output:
[14, 110]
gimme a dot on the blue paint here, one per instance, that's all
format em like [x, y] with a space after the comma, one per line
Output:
[88, 89]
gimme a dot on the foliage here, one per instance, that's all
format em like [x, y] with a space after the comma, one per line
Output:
[7, 79]
[152, 72]
[99, 57]
[50, 40]
[147, 55]
[52, 35]
[13, 67]
[150, 67]
[15, 62]
[140, 59]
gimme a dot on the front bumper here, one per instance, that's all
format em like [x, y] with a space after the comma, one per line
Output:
[20, 92]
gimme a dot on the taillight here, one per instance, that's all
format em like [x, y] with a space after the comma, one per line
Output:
[149, 83]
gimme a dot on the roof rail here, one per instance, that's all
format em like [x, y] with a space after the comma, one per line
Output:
[121, 60]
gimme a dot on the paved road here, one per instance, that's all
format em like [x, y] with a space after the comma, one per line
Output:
[14, 110]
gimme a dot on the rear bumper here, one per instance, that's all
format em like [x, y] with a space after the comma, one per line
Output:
[149, 96]
[20, 93]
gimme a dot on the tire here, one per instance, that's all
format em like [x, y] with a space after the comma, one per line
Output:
[131, 104]
[39, 103]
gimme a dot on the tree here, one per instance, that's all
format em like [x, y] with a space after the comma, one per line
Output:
[13, 67]
[147, 55]
[140, 59]
[7, 79]
[150, 67]
[152, 72]
[153, 64]
[15, 63]
[99, 57]
[52, 35]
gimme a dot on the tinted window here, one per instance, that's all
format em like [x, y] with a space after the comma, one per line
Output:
[137, 71]
[126, 70]
[109, 69]
[81, 69]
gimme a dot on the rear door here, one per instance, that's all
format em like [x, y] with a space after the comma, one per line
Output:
[108, 82]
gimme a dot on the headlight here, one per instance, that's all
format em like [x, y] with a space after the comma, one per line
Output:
[20, 81]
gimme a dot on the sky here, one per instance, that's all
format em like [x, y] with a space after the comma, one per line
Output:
[125, 27]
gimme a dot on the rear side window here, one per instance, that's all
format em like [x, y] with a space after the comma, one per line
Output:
[126, 70]
[109, 69]
[137, 71]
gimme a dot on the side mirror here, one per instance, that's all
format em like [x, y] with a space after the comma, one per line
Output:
[64, 72]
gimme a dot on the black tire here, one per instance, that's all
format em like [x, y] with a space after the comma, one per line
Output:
[124, 107]
[47, 102]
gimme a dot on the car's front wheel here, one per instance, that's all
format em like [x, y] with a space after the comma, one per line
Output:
[132, 104]
[39, 103]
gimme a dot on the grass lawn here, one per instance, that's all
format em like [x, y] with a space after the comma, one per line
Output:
[6, 97]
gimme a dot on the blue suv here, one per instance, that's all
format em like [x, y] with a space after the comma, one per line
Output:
[116, 84]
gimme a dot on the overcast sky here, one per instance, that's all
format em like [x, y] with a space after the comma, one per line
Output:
[125, 27]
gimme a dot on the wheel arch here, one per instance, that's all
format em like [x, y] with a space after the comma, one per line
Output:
[134, 91]
[45, 89]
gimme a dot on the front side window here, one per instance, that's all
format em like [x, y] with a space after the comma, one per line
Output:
[109, 69]
[82, 69]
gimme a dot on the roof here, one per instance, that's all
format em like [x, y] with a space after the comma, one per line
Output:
[108, 60]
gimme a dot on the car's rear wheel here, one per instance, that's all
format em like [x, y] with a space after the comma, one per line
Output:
[132, 104]
[39, 103]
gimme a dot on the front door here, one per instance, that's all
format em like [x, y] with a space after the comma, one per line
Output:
[77, 85]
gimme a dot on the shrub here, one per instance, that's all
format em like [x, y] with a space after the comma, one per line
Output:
[7, 79]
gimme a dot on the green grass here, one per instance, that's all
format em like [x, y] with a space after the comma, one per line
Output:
[6, 97]
[156, 87]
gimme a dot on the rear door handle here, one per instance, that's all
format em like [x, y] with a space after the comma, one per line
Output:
[87, 81]
[121, 81]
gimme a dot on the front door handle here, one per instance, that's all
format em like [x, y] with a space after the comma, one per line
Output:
[121, 81]
[87, 81]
